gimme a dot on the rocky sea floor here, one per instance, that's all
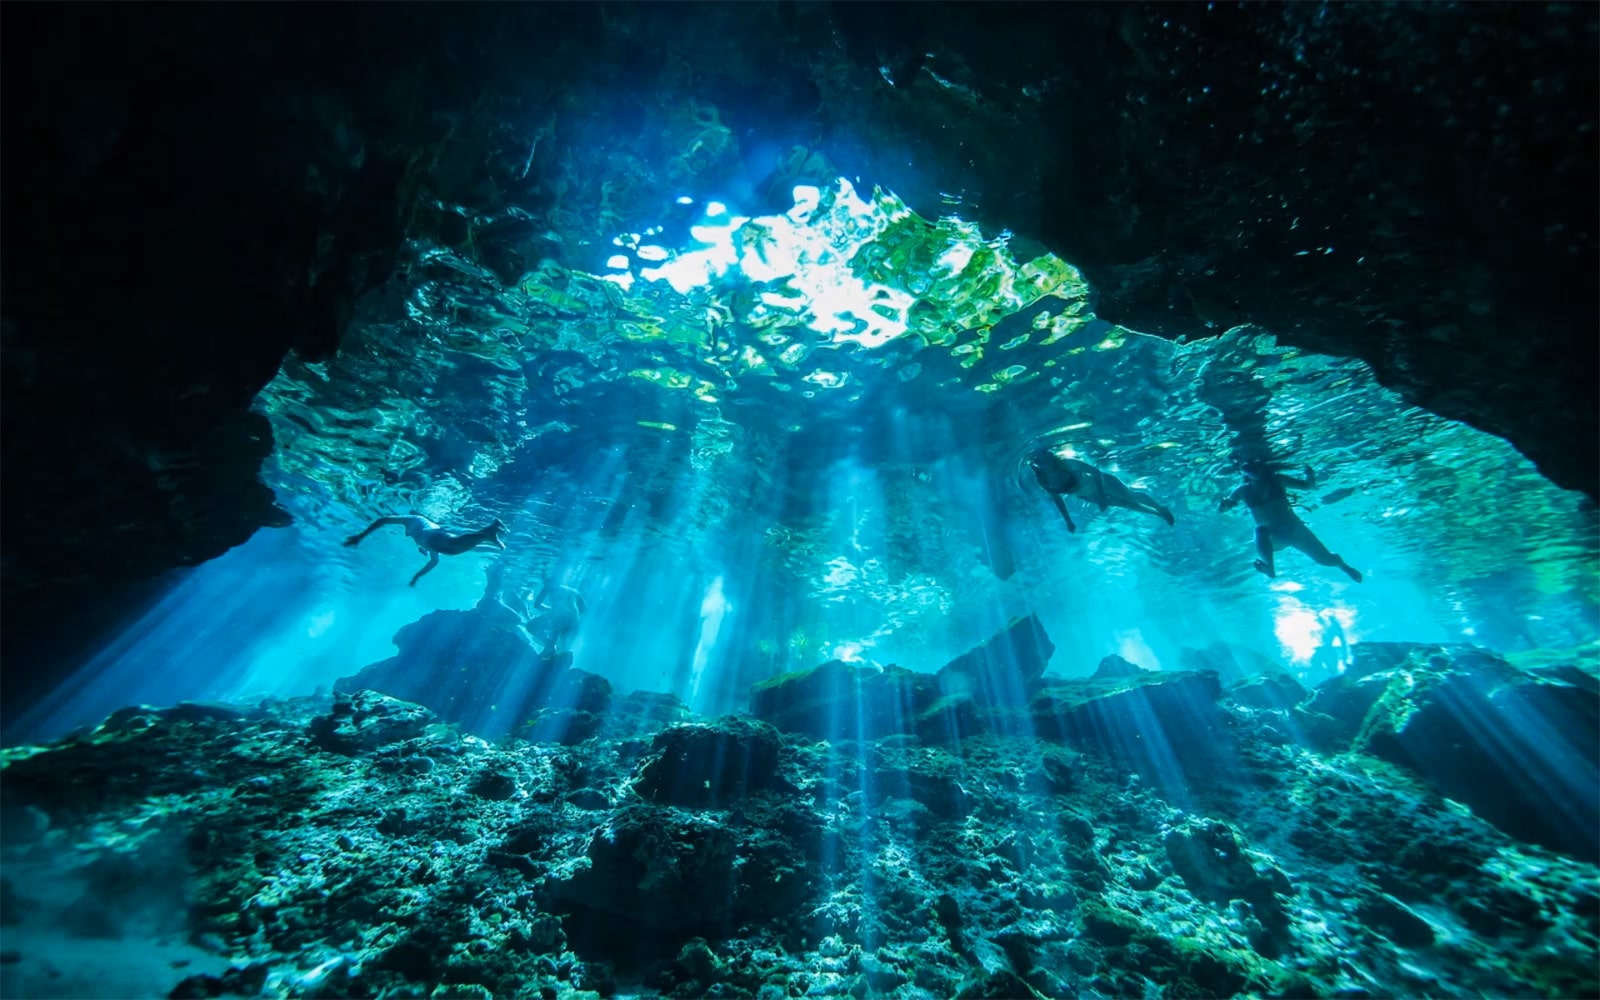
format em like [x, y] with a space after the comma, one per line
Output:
[992, 831]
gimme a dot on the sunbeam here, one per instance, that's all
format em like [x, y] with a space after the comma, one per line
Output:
[768, 501]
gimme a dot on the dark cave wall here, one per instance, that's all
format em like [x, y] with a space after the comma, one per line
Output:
[1413, 185]
[173, 219]
[1441, 157]
[191, 192]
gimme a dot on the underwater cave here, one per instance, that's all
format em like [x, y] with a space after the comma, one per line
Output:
[774, 499]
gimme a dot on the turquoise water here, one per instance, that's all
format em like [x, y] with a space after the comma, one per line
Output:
[757, 443]
[846, 708]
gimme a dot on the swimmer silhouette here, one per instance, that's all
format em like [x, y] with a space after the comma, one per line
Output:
[1064, 477]
[1264, 492]
[433, 541]
[563, 609]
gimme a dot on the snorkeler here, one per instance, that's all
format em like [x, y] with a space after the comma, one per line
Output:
[433, 541]
[1263, 490]
[1332, 654]
[563, 607]
[1062, 477]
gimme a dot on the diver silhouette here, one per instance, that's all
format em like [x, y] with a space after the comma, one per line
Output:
[1265, 492]
[1332, 654]
[563, 609]
[1063, 477]
[433, 541]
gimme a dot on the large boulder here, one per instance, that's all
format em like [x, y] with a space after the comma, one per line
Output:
[839, 700]
[986, 686]
[1164, 723]
[366, 721]
[1004, 670]
[562, 705]
[706, 766]
[659, 870]
[1272, 690]
[1113, 667]
[1521, 748]
[478, 669]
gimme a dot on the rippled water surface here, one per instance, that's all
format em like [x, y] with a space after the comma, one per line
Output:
[757, 442]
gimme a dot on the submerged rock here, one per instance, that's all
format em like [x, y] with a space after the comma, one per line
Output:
[720, 858]
[366, 721]
[477, 668]
[969, 695]
[844, 700]
[1214, 865]
[1521, 749]
[661, 869]
[1400, 922]
[1273, 690]
[1164, 723]
[1114, 667]
[1004, 670]
[703, 766]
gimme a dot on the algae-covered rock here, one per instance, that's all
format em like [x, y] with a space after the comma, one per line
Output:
[839, 700]
[997, 864]
[1057, 770]
[950, 719]
[1273, 690]
[1215, 866]
[1521, 749]
[1004, 669]
[1164, 723]
[930, 777]
[997, 984]
[1399, 922]
[659, 868]
[1113, 667]
[366, 721]
[704, 766]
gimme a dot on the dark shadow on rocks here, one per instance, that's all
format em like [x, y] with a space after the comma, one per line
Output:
[1521, 748]
[656, 878]
[1165, 725]
[478, 669]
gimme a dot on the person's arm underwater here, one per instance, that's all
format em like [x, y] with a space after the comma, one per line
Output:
[1232, 499]
[374, 526]
[433, 560]
[1307, 483]
[541, 600]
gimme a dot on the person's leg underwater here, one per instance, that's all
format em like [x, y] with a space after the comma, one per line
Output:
[1264, 562]
[381, 522]
[1061, 505]
[1153, 506]
[1312, 546]
[1119, 494]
